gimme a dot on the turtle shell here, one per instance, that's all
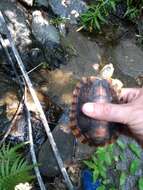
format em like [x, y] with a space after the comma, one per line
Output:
[86, 129]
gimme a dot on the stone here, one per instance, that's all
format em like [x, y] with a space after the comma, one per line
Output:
[68, 9]
[70, 151]
[16, 18]
[65, 143]
[44, 3]
[60, 83]
[43, 31]
[48, 36]
[28, 2]
[129, 58]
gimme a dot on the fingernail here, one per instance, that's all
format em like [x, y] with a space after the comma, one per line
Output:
[88, 108]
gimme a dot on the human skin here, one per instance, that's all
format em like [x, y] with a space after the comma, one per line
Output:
[129, 112]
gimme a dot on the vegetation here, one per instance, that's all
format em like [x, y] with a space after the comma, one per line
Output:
[97, 14]
[13, 167]
[133, 9]
[105, 160]
[57, 21]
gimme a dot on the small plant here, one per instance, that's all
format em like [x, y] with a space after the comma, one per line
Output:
[133, 9]
[99, 163]
[107, 159]
[57, 21]
[13, 167]
[97, 14]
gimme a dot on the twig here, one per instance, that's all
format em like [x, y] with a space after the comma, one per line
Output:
[32, 151]
[28, 72]
[39, 107]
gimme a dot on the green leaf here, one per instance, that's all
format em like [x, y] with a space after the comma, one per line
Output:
[108, 159]
[94, 159]
[90, 164]
[116, 158]
[95, 174]
[97, 23]
[101, 17]
[113, 5]
[121, 144]
[103, 171]
[122, 178]
[134, 166]
[122, 157]
[101, 187]
[135, 149]
[106, 181]
[112, 188]
[140, 184]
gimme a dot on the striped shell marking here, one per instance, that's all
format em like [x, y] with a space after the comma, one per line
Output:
[88, 130]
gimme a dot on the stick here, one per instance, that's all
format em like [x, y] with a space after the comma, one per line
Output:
[39, 107]
[32, 151]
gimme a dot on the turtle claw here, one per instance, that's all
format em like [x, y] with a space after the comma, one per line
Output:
[96, 67]
[117, 86]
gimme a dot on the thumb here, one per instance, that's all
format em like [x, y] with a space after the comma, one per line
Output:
[108, 112]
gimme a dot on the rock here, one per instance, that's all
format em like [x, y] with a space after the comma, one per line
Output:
[16, 18]
[28, 2]
[43, 31]
[129, 58]
[44, 3]
[59, 84]
[65, 143]
[140, 26]
[48, 36]
[68, 9]
[69, 151]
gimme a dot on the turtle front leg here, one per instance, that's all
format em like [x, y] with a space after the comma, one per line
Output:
[116, 87]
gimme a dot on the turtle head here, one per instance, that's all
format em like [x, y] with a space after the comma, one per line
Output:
[107, 71]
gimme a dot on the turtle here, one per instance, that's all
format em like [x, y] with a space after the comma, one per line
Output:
[100, 88]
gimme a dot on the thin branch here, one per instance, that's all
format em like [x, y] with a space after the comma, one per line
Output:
[39, 107]
[28, 72]
[32, 151]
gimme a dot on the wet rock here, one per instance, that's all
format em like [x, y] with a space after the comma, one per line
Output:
[59, 84]
[44, 3]
[69, 151]
[43, 31]
[48, 36]
[69, 9]
[140, 26]
[27, 2]
[16, 18]
[129, 58]
[65, 142]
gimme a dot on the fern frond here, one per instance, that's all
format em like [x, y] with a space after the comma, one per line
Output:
[13, 167]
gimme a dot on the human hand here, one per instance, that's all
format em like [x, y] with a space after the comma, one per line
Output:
[129, 112]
